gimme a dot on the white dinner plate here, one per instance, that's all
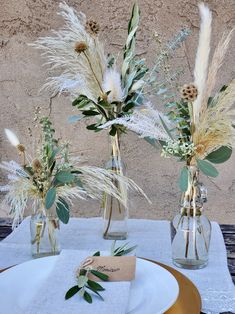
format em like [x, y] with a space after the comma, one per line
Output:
[153, 291]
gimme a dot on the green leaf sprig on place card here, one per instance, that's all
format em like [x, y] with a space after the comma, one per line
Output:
[84, 285]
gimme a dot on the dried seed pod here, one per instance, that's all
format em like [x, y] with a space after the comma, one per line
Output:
[20, 148]
[37, 166]
[189, 92]
[92, 27]
[80, 46]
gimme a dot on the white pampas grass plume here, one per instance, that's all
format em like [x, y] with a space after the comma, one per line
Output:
[215, 65]
[202, 57]
[72, 72]
[112, 84]
[97, 181]
[146, 122]
[12, 138]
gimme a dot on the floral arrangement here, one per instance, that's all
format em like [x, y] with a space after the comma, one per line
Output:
[199, 128]
[92, 78]
[55, 177]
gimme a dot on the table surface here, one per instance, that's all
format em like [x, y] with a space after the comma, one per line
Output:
[227, 230]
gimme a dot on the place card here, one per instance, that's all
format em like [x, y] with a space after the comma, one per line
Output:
[118, 268]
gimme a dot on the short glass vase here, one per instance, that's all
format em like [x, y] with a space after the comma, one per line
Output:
[191, 229]
[45, 231]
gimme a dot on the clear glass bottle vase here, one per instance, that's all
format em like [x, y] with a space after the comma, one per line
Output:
[191, 229]
[115, 214]
[44, 229]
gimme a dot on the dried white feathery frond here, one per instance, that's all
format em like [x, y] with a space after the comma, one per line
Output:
[202, 57]
[112, 84]
[225, 100]
[69, 193]
[13, 167]
[215, 126]
[12, 138]
[16, 198]
[75, 73]
[215, 65]
[19, 189]
[97, 181]
[4, 188]
[146, 123]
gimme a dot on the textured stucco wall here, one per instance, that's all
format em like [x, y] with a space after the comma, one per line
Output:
[21, 75]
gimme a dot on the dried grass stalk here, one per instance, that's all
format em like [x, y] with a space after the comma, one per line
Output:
[202, 57]
[216, 124]
[215, 65]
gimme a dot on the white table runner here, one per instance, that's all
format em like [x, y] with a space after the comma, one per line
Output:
[153, 238]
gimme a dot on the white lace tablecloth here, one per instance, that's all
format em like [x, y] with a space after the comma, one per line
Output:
[153, 239]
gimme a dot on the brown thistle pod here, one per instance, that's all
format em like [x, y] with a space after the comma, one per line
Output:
[92, 27]
[189, 92]
[80, 46]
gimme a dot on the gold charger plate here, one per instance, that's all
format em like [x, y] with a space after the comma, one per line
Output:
[189, 300]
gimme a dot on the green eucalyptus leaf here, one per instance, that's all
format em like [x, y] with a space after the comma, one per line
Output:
[165, 127]
[94, 285]
[65, 176]
[79, 99]
[90, 113]
[220, 155]
[96, 253]
[223, 88]
[100, 275]
[79, 183]
[50, 197]
[183, 179]
[207, 168]
[71, 292]
[62, 210]
[92, 127]
[96, 292]
[125, 251]
[151, 141]
[87, 297]
[128, 106]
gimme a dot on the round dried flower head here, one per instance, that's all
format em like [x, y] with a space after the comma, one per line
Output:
[189, 92]
[200, 149]
[20, 148]
[36, 165]
[80, 46]
[92, 27]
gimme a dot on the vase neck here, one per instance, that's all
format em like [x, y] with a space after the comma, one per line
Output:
[115, 162]
[192, 200]
[115, 145]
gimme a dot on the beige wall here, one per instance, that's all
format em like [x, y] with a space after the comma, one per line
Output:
[21, 75]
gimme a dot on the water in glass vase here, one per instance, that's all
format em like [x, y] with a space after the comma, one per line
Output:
[191, 230]
[44, 228]
[115, 213]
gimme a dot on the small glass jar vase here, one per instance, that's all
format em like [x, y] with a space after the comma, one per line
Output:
[190, 229]
[115, 213]
[44, 229]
